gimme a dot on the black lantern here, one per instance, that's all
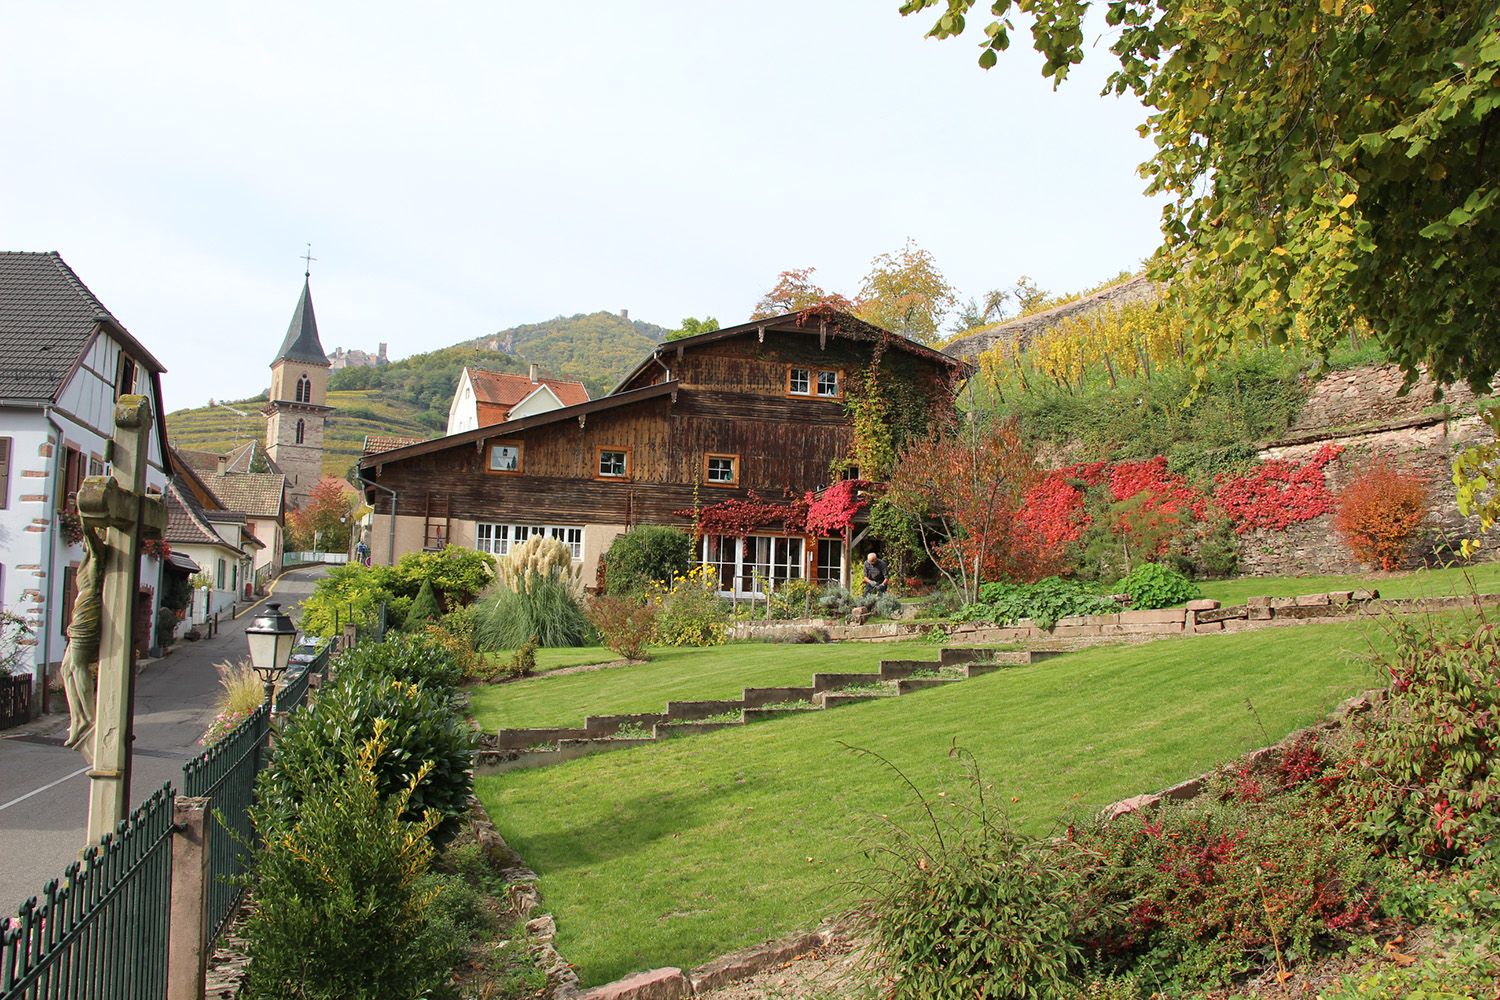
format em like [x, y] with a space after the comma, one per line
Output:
[271, 637]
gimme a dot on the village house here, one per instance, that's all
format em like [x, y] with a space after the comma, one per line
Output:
[248, 482]
[757, 409]
[484, 397]
[64, 362]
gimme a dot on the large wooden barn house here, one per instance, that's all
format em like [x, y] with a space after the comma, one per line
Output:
[760, 406]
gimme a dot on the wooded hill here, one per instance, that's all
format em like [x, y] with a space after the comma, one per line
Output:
[410, 397]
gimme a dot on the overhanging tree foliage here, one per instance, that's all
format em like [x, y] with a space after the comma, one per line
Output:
[1327, 162]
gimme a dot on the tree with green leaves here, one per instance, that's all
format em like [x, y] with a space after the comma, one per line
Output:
[692, 326]
[1325, 163]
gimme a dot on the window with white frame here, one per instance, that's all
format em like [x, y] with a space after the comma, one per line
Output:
[613, 464]
[830, 560]
[754, 564]
[828, 383]
[799, 381]
[722, 469]
[505, 457]
[499, 539]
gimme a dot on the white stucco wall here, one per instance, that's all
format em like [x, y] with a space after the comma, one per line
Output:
[463, 412]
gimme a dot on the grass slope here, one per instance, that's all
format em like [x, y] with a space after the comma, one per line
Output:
[674, 854]
[357, 412]
[1483, 578]
[674, 675]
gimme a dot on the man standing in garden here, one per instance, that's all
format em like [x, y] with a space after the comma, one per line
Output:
[875, 571]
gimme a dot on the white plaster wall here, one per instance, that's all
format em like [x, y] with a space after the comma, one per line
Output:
[463, 412]
[542, 400]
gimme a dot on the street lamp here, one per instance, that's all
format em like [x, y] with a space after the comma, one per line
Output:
[271, 636]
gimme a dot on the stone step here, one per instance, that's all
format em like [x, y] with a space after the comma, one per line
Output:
[909, 684]
[835, 699]
[666, 732]
[831, 682]
[756, 697]
[763, 714]
[952, 657]
[894, 670]
[596, 726]
[522, 739]
[692, 710]
[978, 669]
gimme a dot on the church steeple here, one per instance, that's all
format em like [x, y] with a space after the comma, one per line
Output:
[301, 342]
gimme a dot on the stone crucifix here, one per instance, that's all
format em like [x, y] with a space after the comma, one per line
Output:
[117, 515]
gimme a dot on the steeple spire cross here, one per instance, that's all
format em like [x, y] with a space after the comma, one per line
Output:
[307, 259]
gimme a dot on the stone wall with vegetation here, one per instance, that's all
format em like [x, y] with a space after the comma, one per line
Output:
[1361, 411]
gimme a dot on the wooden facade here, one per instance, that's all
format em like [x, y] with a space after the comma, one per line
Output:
[717, 395]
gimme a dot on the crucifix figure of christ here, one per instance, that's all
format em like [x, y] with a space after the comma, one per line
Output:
[117, 515]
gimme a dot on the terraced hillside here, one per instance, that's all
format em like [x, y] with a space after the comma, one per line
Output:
[357, 412]
[410, 397]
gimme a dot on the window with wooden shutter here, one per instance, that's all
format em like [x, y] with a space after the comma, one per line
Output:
[72, 477]
[4, 473]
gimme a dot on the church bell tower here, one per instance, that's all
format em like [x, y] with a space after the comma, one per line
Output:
[298, 408]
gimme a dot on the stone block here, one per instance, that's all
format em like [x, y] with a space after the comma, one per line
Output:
[1223, 614]
[1077, 631]
[739, 965]
[1312, 600]
[1203, 604]
[1152, 628]
[1203, 628]
[1258, 602]
[1184, 790]
[658, 984]
[1259, 614]
[1341, 596]
[1365, 595]
[1130, 805]
[1164, 616]
[1283, 602]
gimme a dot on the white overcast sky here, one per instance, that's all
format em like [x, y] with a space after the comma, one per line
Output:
[464, 167]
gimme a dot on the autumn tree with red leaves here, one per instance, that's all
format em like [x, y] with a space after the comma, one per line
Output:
[795, 291]
[963, 491]
[1380, 512]
[324, 521]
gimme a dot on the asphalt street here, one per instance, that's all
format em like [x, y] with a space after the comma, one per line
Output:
[43, 790]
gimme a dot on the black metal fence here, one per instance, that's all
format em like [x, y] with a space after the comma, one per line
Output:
[15, 699]
[101, 932]
[225, 775]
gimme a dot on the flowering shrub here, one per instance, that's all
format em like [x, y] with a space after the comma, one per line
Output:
[1275, 495]
[690, 612]
[224, 723]
[1380, 512]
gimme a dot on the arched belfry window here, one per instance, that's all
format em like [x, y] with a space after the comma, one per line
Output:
[304, 391]
[301, 429]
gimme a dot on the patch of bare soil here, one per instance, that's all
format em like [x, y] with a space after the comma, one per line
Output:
[833, 972]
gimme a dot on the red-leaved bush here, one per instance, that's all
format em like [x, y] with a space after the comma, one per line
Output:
[1380, 512]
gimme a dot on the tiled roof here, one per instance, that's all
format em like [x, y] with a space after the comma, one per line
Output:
[47, 318]
[377, 443]
[188, 523]
[256, 494]
[301, 342]
[199, 461]
[504, 390]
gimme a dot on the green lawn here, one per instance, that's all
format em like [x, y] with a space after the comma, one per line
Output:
[676, 853]
[674, 674]
[555, 658]
[1481, 577]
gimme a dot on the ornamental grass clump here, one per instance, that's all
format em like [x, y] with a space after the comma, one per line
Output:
[243, 693]
[537, 596]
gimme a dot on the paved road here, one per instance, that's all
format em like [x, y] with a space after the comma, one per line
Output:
[43, 791]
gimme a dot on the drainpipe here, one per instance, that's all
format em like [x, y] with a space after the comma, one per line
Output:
[391, 551]
[50, 535]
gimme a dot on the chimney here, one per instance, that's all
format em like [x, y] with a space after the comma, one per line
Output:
[533, 373]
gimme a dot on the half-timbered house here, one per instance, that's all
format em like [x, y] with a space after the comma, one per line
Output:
[757, 409]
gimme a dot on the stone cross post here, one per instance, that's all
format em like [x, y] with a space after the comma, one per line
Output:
[121, 511]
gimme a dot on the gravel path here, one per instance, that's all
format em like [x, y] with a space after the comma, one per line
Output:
[831, 973]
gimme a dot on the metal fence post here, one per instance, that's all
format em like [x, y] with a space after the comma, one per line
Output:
[187, 934]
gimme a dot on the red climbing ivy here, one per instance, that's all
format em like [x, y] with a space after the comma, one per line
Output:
[1278, 494]
[754, 513]
[833, 510]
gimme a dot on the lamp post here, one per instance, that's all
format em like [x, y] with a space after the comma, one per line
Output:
[270, 636]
